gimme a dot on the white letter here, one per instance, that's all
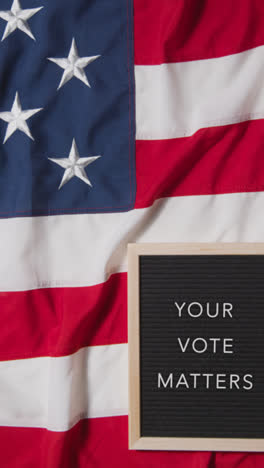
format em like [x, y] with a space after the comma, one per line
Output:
[219, 381]
[234, 378]
[207, 379]
[227, 307]
[201, 350]
[226, 345]
[183, 348]
[180, 307]
[250, 383]
[214, 340]
[195, 379]
[199, 313]
[169, 379]
[216, 310]
[182, 381]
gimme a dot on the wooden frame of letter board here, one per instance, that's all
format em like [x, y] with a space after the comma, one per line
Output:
[136, 442]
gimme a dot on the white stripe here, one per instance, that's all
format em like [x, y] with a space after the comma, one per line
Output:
[177, 99]
[55, 393]
[82, 250]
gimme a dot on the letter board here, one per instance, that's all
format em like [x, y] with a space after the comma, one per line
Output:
[196, 346]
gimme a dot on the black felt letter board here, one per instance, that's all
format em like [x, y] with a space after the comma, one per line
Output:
[198, 408]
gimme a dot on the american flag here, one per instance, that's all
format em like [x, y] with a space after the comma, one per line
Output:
[120, 121]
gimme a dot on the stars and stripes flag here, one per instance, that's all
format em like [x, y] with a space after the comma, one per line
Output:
[120, 121]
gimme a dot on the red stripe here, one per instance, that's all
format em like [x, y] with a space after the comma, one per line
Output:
[182, 30]
[101, 443]
[213, 161]
[55, 322]
[94, 443]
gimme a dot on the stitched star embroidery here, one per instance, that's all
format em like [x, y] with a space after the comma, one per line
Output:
[74, 165]
[16, 18]
[17, 118]
[73, 65]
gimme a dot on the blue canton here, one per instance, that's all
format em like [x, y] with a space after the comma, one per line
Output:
[67, 125]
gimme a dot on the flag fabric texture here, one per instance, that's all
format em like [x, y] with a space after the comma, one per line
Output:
[120, 121]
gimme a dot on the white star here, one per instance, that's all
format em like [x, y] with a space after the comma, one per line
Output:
[16, 118]
[74, 165]
[17, 19]
[73, 65]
